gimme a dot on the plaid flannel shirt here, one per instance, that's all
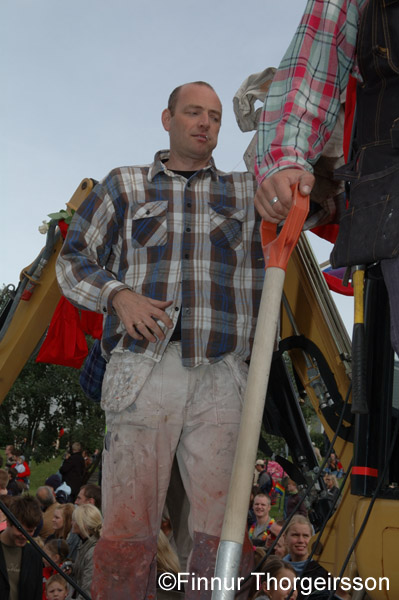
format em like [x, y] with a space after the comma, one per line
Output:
[303, 101]
[195, 242]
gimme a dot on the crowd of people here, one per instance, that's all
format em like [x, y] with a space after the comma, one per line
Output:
[281, 546]
[63, 518]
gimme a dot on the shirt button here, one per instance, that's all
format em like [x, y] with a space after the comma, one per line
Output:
[188, 184]
[186, 256]
[176, 308]
[188, 204]
[188, 229]
[147, 212]
[187, 311]
[104, 310]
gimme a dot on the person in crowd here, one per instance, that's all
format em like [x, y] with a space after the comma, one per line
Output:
[265, 481]
[334, 466]
[58, 551]
[89, 494]
[62, 521]
[13, 488]
[10, 456]
[280, 549]
[277, 527]
[4, 479]
[251, 518]
[297, 537]
[61, 489]
[87, 523]
[169, 253]
[167, 559]
[317, 453]
[72, 470]
[292, 500]
[56, 588]
[22, 469]
[263, 525]
[274, 583]
[332, 484]
[20, 564]
[259, 467]
[46, 497]
[87, 459]
[3, 518]
[332, 488]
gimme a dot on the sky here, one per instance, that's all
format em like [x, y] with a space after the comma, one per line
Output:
[84, 83]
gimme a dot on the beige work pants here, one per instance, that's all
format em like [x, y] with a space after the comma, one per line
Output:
[193, 413]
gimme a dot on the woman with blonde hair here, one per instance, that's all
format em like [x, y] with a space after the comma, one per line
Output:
[87, 523]
[297, 537]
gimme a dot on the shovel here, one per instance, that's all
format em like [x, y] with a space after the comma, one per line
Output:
[277, 251]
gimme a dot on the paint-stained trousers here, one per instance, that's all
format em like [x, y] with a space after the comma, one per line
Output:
[154, 411]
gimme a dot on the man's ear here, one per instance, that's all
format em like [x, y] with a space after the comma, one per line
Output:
[166, 116]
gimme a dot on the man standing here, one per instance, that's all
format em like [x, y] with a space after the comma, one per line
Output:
[73, 470]
[170, 254]
[334, 39]
[21, 567]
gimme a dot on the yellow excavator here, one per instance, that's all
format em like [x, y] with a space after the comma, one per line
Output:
[360, 537]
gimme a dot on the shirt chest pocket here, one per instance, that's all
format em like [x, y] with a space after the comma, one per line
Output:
[149, 224]
[226, 226]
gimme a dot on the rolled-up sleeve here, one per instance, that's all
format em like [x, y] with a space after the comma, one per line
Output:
[303, 102]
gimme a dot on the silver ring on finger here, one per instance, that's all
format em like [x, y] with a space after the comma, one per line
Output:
[273, 201]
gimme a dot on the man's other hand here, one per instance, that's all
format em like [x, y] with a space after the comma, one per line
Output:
[140, 314]
[273, 198]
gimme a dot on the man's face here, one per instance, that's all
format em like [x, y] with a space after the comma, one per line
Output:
[259, 468]
[194, 126]
[261, 506]
[15, 537]
[81, 498]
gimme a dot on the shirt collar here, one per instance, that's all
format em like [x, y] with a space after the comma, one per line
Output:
[158, 166]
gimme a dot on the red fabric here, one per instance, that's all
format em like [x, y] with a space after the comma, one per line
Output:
[335, 285]
[65, 343]
[92, 323]
[25, 473]
[330, 232]
[327, 232]
[350, 105]
[63, 228]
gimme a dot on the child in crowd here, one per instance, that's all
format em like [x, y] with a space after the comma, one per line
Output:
[56, 588]
[58, 551]
[277, 582]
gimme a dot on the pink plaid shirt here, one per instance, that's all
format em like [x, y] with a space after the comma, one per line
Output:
[303, 102]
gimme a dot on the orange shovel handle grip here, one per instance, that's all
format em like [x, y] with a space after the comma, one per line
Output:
[277, 249]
